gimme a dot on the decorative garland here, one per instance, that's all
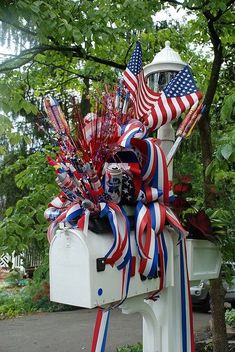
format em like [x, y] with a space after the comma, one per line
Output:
[111, 157]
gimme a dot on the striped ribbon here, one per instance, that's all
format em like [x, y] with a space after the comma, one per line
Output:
[100, 330]
[150, 211]
[70, 215]
[153, 251]
[152, 214]
[154, 167]
[134, 128]
[187, 336]
[120, 256]
[120, 252]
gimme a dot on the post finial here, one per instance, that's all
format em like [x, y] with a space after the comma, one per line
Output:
[167, 44]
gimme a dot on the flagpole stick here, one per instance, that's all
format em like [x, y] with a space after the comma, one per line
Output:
[186, 120]
[173, 150]
[186, 131]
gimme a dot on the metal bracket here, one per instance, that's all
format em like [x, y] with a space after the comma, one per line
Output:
[100, 264]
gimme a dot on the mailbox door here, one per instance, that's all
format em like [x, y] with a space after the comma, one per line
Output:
[69, 269]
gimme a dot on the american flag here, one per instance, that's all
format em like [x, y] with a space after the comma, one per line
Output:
[142, 96]
[157, 109]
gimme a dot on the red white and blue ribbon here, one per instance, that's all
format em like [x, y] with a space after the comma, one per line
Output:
[100, 330]
[120, 256]
[154, 168]
[134, 128]
[187, 336]
[120, 252]
[70, 215]
[54, 225]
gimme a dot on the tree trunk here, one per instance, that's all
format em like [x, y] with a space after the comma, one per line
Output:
[217, 293]
[85, 102]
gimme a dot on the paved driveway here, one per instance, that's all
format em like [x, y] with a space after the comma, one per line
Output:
[72, 331]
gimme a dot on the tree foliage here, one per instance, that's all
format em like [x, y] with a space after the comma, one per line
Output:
[66, 40]
[24, 223]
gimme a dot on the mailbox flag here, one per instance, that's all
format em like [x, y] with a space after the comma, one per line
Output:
[159, 108]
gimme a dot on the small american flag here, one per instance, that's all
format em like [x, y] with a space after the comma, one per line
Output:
[142, 96]
[157, 109]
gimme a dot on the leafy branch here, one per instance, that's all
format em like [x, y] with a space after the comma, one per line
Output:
[18, 27]
[28, 55]
[62, 68]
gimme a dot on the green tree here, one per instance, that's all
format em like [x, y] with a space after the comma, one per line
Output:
[24, 223]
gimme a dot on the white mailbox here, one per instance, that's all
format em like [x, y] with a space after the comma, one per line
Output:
[75, 278]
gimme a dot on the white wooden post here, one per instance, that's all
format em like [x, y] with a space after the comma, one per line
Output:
[166, 134]
[162, 318]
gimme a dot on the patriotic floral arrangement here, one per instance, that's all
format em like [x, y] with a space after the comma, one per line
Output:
[113, 161]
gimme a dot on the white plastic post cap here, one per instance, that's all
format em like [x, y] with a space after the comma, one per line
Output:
[165, 60]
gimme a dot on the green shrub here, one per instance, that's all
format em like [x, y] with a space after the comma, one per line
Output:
[230, 317]
[129, 348]
[21, 296]
[13, 277]
[34, 297]
[208, 347]
[12, 303]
